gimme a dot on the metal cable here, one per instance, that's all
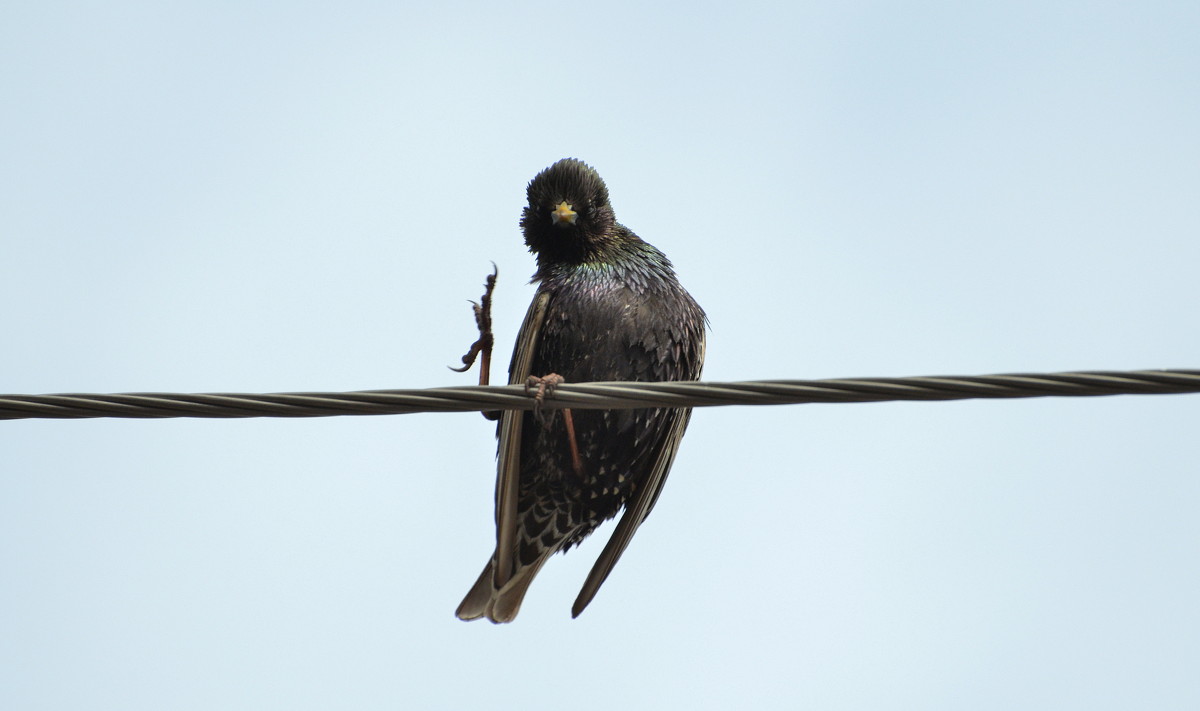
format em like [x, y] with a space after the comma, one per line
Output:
[619, 395]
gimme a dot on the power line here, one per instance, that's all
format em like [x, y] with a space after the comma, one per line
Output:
[620, 395]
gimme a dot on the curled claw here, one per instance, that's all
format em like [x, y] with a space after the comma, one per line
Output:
[545, 388]
[483, 344]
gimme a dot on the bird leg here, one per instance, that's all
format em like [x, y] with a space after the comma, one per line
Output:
[576, 460]
[482, 348]
[545, 386]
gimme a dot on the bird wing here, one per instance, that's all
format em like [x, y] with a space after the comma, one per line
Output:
[509, 470]
[638, 509]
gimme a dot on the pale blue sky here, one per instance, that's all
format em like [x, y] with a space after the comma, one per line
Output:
[222, 197]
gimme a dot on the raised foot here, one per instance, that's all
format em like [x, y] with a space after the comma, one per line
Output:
[483, 321]
[482, 348]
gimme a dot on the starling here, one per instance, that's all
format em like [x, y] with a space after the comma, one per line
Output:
[608, 307]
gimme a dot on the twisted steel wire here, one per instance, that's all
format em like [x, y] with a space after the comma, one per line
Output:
[615, 395]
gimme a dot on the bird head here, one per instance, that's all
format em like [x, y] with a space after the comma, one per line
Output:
[568, 218]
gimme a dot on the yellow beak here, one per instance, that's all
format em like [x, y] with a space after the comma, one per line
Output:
[563, 215]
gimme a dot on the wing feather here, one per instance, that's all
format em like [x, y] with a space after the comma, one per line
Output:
[508, 484]
[644, 499]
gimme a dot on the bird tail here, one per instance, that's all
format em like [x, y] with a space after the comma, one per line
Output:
[500, 604]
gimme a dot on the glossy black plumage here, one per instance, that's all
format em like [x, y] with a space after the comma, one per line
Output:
[608, 307]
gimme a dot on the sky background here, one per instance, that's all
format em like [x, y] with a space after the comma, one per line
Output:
[257, 197]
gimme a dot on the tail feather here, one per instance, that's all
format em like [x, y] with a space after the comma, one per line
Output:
[477, 601]
[499, 604]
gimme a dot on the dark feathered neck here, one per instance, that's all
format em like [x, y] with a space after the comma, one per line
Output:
[624, 258]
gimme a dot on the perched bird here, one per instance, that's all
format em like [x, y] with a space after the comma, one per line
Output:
[608, 307]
